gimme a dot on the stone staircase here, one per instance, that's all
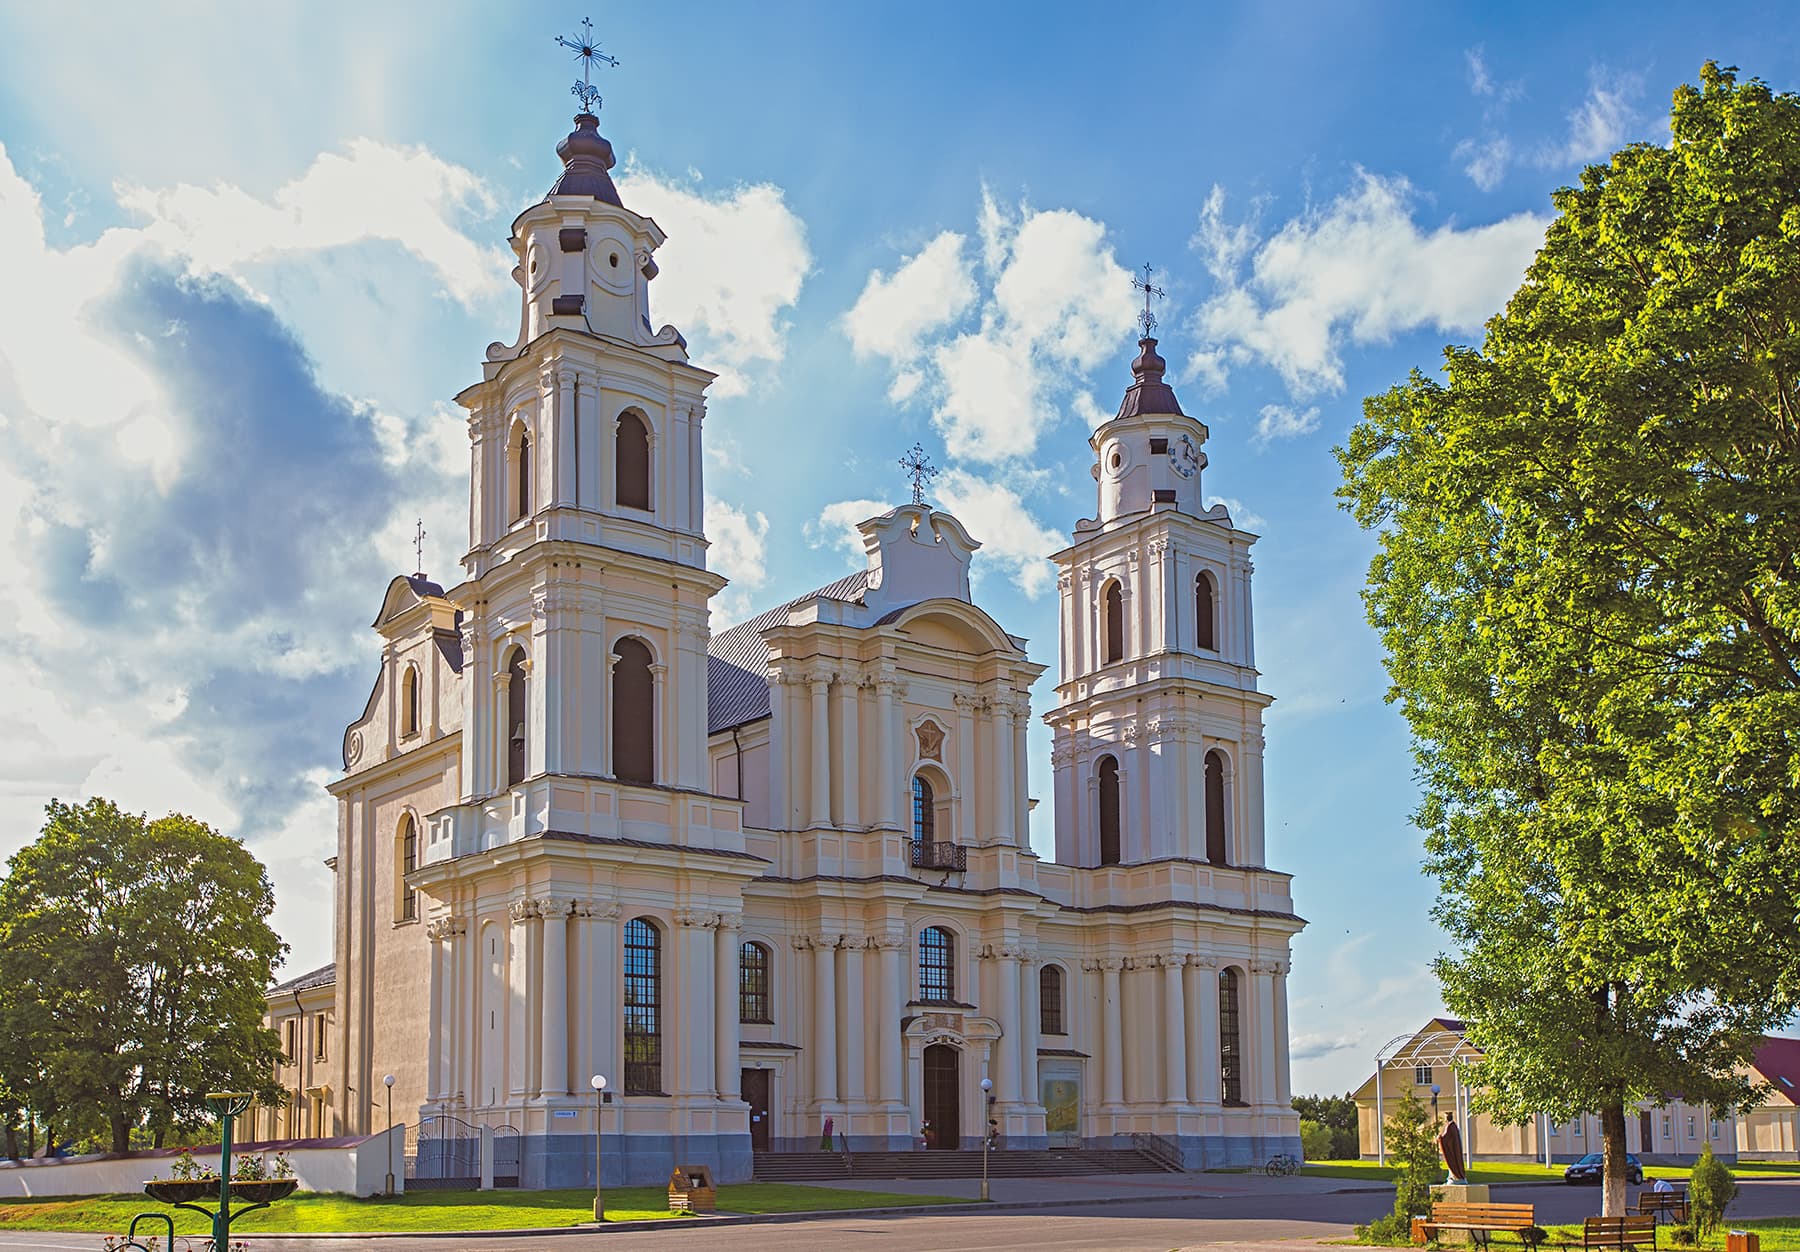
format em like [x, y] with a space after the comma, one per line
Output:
[1050, 1163]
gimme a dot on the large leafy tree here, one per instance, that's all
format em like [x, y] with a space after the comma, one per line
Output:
[134, 956]
[1587, 589]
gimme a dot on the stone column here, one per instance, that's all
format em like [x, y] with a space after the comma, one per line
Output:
[1261, 1058]
[554, 1042]
[694, 1000]
[1205, 1089]
[1006, 1081]
[849, 751]
[886, 793]
[468, 1030]
[1021, 714]
[435, 932]
[820, 683]
[564, 487]
[1284, 1094]
[892, 1077]
[1029, 1021]
[725, 1005]
[603, 967]
[1112, 1037]
[852, 1024]
[824, 1006]
[1175, 1084]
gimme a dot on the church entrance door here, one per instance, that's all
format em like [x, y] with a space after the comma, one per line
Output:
[754, 1083]
[943, 1086]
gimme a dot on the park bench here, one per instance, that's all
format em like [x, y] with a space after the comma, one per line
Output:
[1481, 1220]
[1672, 1205]
[1618, 1232]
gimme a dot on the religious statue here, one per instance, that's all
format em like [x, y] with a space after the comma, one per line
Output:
[1449, 1142]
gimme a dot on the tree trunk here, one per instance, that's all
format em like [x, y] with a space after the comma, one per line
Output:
[121, 1132]
[1612, 1140]
[12, 1140]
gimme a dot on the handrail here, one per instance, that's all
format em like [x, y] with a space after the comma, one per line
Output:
[1159, 1147]
[939, 854]
[844, 1147]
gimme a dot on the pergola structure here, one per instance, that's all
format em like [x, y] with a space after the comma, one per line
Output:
[1434, 1049]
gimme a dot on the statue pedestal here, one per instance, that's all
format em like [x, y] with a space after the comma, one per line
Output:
[1458, 1193]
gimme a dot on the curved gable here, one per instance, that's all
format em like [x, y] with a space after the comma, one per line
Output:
[952, 624]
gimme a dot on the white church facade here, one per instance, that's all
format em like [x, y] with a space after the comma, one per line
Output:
[765, 876]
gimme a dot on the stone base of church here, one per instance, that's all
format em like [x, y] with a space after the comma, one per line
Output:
[1204, 1152]
[549, 1161]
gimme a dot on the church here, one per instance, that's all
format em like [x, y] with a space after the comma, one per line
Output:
[775, 877]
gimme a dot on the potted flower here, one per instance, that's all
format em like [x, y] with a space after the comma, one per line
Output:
[263, 1182]
[187, 1182]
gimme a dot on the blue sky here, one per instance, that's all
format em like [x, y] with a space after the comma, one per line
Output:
[243, 267]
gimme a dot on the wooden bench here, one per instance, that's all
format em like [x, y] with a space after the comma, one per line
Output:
[1670, 1204]
[1618, 1232]
[1481, 1220]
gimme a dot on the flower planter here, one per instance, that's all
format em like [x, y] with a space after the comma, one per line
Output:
[266, 1191]
[182, 1190]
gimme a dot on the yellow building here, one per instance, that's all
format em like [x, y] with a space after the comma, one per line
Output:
[1771, 1131]
[301, 1011]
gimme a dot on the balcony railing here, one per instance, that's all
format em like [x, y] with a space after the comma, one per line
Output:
[939, 854]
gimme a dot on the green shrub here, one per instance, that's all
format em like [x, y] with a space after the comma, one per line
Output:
[1711, 1189]
[1414, 1152]
[1315, 1141]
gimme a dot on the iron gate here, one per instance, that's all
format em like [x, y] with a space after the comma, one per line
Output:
[506, 1156]
[446, 1155]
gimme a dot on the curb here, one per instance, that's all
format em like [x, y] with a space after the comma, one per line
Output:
[733, 1219]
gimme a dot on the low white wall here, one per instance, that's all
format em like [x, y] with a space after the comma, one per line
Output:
[355, 1167]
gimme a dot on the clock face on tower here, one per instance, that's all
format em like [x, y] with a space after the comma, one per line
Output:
[1184, 457]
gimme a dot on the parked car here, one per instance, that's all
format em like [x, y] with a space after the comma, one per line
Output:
[1592, 1167]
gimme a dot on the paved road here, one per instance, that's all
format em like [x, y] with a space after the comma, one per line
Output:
[1150, 1225]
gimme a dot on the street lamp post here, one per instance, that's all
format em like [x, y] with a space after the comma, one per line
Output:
[1434, 1112]
[987, 1095]
[598, 1082]
[388, 1082]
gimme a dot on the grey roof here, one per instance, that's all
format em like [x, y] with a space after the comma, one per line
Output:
[324, 976]
[737, 662]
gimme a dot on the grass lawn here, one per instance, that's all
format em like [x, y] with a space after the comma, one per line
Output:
[1777, 1234]
[1482, 1171]
[310, 1212]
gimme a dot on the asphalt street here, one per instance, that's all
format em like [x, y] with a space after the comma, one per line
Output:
[1150, 1225]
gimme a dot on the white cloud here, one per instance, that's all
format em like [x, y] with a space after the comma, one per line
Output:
[1053, 305]
[1358, 270]
[1240, 516]
[928, 290]
[1279, 421]
[1481, 82]
[1485, 161]
[1009, 536]
[421, 197]
[835, 527]
[739, 551]
[732, 268]
[1600, 124]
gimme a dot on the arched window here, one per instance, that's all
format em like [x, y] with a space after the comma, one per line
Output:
[1115, 622]
[753, 984]
[1231, 1052]
[522, 479]
[1205, 615]
[515, 718]
[633, 713]
[643, 1007]
[924, 811]
[409, 861]
[1109, 810]
[409, 701]
[631, 462]
[1215, 809]
[937, 965]
[1050, 1000]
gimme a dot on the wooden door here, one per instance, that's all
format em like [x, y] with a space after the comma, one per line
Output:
[943, 1103]
[754, 1083]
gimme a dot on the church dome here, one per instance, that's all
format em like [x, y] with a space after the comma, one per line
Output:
[1148, 394]
[586, 155]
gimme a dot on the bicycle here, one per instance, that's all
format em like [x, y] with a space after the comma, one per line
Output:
[1282, 1164]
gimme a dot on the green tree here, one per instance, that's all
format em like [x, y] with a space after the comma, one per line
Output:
[1338, 1115]
[1587, 590]
[1315, 1140]
[1711, 1189]
[1417, 1169]
[135, 955]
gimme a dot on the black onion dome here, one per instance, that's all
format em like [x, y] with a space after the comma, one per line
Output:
[1148, 394]
[586, 156]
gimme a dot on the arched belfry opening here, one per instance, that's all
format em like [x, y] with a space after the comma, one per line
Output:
[1216, 835]
[521, 472]
[1206, 632]
[1114, 600]
[1109, 810]
[632, 462]
[516, 706]
[633, 712]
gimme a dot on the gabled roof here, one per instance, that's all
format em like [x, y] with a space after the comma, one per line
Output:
[324, 976]
[737, 661]
[1778, 1061]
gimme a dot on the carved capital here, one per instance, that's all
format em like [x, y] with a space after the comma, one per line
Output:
[439, 929]
[730, 921]
[1269, 967]
[1203, 960]
[693, 917]
[522, 910]
[888, 939]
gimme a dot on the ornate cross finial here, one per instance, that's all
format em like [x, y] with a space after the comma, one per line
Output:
[587, 52]
[919, 468]
[419, 548]
[1147, 319]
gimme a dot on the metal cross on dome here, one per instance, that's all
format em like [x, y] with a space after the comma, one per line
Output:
[919, 468]
[587, 52]
[419, 548]
[1147, 319]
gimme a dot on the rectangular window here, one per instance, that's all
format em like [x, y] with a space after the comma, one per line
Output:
[1668, 1127]
[937, 955]
[1690, 1125]
[319, 1037]
[1421, 1075]
[1575, 1129]
[753, 983]
[643, 1008]
[290, 1036]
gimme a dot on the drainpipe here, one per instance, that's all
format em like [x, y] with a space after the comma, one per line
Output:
[737, 756]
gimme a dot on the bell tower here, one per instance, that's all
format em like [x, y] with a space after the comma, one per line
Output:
[585, 602]
[1157, 734]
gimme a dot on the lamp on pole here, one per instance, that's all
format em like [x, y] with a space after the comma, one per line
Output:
[987, 1100]
[1434, 1113]
[388, 1082]
[598, 1082]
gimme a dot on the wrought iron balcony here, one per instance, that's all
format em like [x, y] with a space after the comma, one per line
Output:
[939, 854]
